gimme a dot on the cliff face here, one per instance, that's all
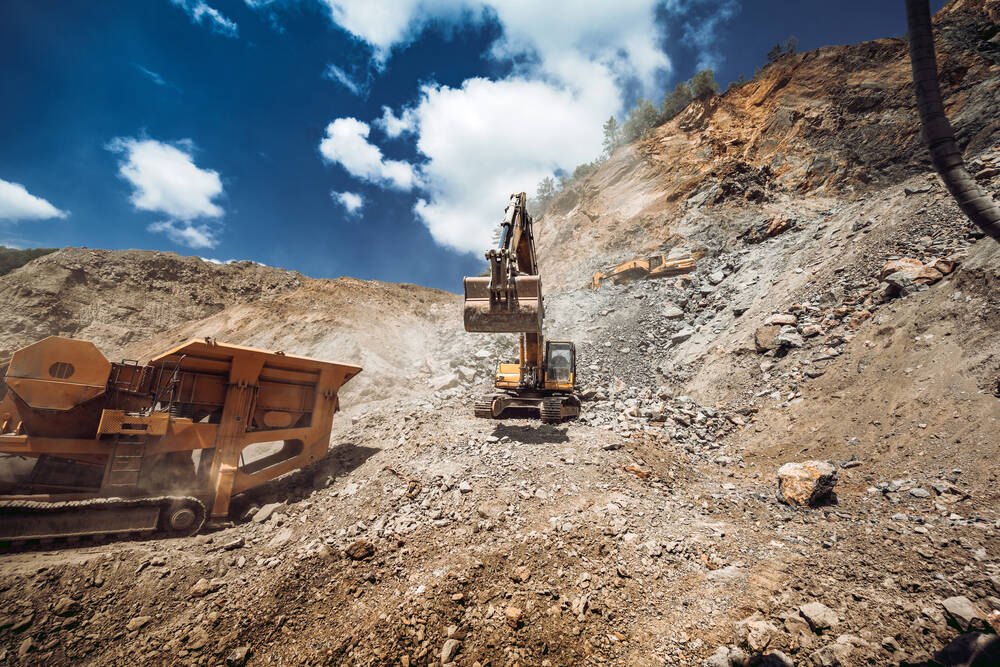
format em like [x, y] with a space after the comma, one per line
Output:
[834, 124]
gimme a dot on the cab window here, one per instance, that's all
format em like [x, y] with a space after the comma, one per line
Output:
[560, 362]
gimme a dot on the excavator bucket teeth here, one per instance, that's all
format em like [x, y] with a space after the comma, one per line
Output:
[524, 315]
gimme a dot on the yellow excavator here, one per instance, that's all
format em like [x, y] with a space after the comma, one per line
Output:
[509, 300]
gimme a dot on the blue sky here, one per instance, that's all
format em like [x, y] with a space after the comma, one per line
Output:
[378, 140]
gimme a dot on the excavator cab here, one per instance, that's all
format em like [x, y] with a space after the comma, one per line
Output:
[560, 365]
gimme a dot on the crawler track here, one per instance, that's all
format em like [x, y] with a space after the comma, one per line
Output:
[27, 523]
[484, 407]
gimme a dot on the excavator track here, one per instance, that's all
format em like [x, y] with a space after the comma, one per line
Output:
[29, 522]
[483, 407]
[551, 410]
[554, 409]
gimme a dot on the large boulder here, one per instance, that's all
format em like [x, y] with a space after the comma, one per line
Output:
[913, 269]
[788, 336]
[807, 484]
[900, 284]
[764, 338]
[819, 616]
[755, 632]
[961, 613]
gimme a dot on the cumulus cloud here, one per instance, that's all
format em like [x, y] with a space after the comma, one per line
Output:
[484, 139]
[203, 14]
[16, 203]
[166, 180]
[381, 24]
[351, 201]
[346, 143]
[394, 126]
[622, 35]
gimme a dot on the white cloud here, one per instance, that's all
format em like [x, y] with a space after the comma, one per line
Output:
[334, 73]
[380, 24]
[199, 10]
[701, 31]
[16, 203]
[351, 201]
[152, 76]
[621, 35]
[487, 138]
[619, 38]
[394, 126]
[346, 143]
[186, 233]
[166, 180]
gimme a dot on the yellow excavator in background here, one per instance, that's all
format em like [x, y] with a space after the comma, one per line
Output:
[509, 300]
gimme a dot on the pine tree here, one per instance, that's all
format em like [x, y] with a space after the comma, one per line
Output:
[545, 194]
[703, 84]
[676, 101]
[612, 136]
[642, 118]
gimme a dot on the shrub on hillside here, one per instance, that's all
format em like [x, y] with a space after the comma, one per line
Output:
[643, 117]
[675, 101]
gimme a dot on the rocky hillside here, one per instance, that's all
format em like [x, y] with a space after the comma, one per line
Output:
[114, 297]
[834, 124]
[135, 303]
[408, 339]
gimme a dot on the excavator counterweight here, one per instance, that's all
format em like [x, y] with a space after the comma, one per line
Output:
[509, 300]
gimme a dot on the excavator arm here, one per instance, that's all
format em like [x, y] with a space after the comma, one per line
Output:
[509, 299]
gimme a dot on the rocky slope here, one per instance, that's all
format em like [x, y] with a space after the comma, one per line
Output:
[859, 331]
[134, 304]
[113, 297]
[837, 123]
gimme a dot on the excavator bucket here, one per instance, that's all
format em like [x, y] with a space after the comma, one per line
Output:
[522, 314]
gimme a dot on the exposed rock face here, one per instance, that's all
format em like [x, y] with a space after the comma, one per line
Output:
[806, 484]
[839, 119]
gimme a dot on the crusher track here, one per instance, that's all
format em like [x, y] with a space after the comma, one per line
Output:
[27, 522]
